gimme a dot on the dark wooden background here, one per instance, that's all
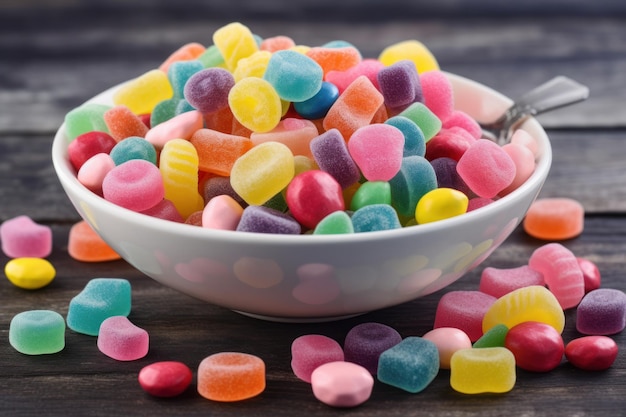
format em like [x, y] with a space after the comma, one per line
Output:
[56, 54]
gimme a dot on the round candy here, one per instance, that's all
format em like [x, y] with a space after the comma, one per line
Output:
[207, 90]
[591, 274]
[133, 147]
[555, 219]
[592, 353]
[537, 347]
[29, 273]
[136, 185]
[231, 376]
[365, 342]
[448, 340]
[312, 195]
[317, 106]
[310, 351]
[255, 104]
[440, 204]
[165, 379]
[87, 145]
[294, 76]
[342, 384]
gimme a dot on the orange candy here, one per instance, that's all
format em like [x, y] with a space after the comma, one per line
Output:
[123, 123]
[85, 245]
[231, 376]
[186, 52]
[217, 151]
[555, 219]
[335, 59]
[277, 43]
[295, 133]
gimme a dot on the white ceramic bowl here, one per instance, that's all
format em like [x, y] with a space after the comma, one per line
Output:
[321, 277]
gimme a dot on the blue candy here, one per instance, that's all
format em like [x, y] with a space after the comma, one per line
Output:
[317, 106]
[133, 147]
[375, 217]
[294, 76]
[414, 141]
[179, 72]
[416, 178]
[410, 365]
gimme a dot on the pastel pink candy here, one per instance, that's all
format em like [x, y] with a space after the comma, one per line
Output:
[448, 340]
[486, 168]
[91, 174]
[310, 351]
[561, 273]
[342, 384]
[222, 212]
[367, 67]
[121, 340]
[498, 282]
[524, 165]
[23, 238]
[522, 137]
[464, 121]
[377, 150]
[437, 91]
[165, 210]
[464, 310]
[182, 126]
[136, 185]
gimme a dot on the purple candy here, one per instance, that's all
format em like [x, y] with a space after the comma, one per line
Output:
[331, 154]
[365, 342]
[601, 312]
[215, 186]
[207, 90]
[259, 219]
[447, 177]
[400, 84]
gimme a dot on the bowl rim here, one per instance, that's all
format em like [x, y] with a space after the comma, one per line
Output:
[69, 181]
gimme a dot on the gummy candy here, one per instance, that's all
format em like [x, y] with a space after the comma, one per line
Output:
[476, 371]
[24, 238]
[310, 351]
[366, 341]
[231, 376]
[554, 218]
[601, 312]
[410, 365]
[121, 340]
[37, 332]
[342, 384]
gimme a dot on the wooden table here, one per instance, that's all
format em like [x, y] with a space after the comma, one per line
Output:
[55, 56]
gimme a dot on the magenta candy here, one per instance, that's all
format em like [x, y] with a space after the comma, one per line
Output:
[591, 274]
[365, 342]
[537, 347]
[121, 340]
[377, 150]
[331, 155]
[87, 145]
[367, 67]
[310, 351]
[165, 379]
[437, 91]
[498, 282]
[463, 310]
[460, 119]
[165, 210]
[136, 185]
[449, 143]
[400, 84]
[207, 90]
[486, 168]
[23, 238]
[602, 312]
[312, 195]
[478, 202]
[592, 353]
[561, 273]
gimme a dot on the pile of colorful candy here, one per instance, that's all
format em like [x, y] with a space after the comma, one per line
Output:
[263, 135]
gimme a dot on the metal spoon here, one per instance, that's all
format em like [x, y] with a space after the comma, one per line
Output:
[558, 92]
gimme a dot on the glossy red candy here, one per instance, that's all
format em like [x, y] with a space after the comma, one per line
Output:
[87, 145]
[165, 379]
[537, 347]
[312, 195]
[592, 353]
[591, 274]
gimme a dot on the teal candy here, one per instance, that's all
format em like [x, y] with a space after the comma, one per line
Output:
[183, 106]
[133, 147]
[163, 111]
[100, 299]
[375, 217]
[427, 121]
[179, 72]
[37, 332]
[493, 337]
[86, 118]
[416, 178]
[336, 223]
[211, 57]
[410, 365]
[371, 192]
[414, 140]
[317, 106]
[294, 76]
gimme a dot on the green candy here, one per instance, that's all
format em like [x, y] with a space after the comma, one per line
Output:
[493, 337]
[335, 223]
[425, 119]
[371, 192]
[86, 118]
[211, 57]
[37, 332]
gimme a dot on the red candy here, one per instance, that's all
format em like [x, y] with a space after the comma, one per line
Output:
[591, 274]
[165, 379]
[537, 347]
[592, 353]
[87, 145]
[312, 195]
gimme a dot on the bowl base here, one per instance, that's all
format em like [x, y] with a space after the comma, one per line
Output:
[298, 319]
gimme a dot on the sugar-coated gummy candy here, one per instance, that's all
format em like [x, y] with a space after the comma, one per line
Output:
[262, 172]
[371, 192]
[310, 351]
[449, 143]
[123, 123]
[212, 57]
[440, 204]
[410, 365]
[448, 340]
[295, 133]
[478, 202]
[422, 116]
[217, 151]
[533, 303]
[85, 146]
[592, 353]
[136, 185]
[37, 332]
[133, 147]
[165, 210]
[335, 57]
[448, 177]
[277, 43]
[486, 168]
[165, 379]
[255, 104]
[335, 223]
[366, 341]
[464, 310]
[524, 161]
[29, 273]
[120, 339]
[317, 106]
[234, 41]
[375, 217]
[537, 347]
[367, 67]
[260, 219]
[93, 172]
[179, 171]
[522, 137]
[487, 370]
[415, 178]
[181, 126]
[222, 212]
[22, 237]
[342, 384]
[500, 281]
[294, 76]
[377, 149]
[331, 154]
[414, 141]
[143, 93]
[493, 337]
[438, 94]
[217, 185]
[561, 273]
[100, 299]
[179, 73]
[252, 66]
[207, 90]
[601, 312]
[411, 49]
[461, 120]
[86, 118]
[312, 195]
[400, 84]
[591, 274]
[231, 376]
[186, 52]
[85, 245]
[554, 219]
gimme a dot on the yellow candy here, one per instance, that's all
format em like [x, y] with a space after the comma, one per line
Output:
[482, 370]
[533, 303]
[234, 41]
[255, 104]
[252, 66]
[439, 204]
[179, 168]
[29, 273]
[262, 172]
[412, 50]
[143, 93]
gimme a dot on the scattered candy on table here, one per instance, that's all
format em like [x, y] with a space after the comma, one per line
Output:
[231, 376]
[555, 219]
[121, 340]
[37, 332]
[165, 378]
[29, 273]
[21, 237]
[342, 384]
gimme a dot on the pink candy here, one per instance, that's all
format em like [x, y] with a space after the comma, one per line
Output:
[342, 384]
[122, 340]
[92, 173]
[437, 92]
[222, 212]
[377, 149]
[182, 126]
[463, 310]
[136, 185]
[310, 351]
[498, 282]
[486, 168]
[23, 238]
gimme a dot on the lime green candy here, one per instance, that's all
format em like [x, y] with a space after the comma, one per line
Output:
[85, 118]
[371, 192]
[335, 223]
[477, 371]
[212, 57]
[440, 204]
[37, 332]
[421, 115]
[493, 337]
